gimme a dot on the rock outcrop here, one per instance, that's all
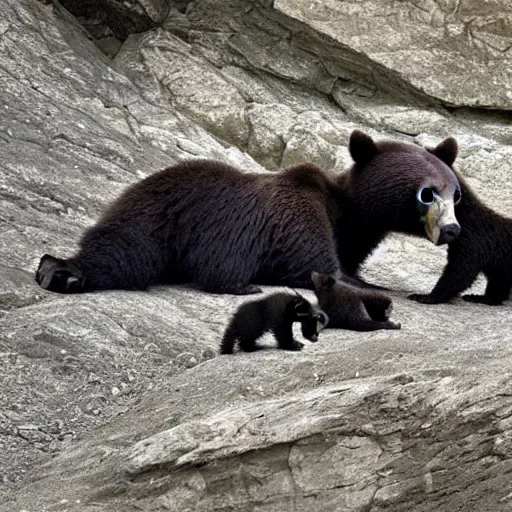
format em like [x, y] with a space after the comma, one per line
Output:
[117, 401]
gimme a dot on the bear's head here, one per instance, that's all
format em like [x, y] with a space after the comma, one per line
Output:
[398, 186]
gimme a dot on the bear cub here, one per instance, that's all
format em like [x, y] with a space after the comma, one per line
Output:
[275, 313]
[484, 246]
[352, 308]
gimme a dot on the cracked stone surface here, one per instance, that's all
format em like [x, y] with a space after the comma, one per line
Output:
[458, 51]
[117, 401]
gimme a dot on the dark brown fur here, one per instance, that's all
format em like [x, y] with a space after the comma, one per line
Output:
[483, 246]
[382, 186]
[275, 313]
[352, 308]
[208, 223]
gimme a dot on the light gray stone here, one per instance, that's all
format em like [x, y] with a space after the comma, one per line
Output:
[457, 51]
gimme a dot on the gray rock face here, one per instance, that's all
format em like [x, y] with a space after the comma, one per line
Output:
[116, 401]
[457, 51]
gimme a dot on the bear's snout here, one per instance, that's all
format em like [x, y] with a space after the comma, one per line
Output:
[449, 233]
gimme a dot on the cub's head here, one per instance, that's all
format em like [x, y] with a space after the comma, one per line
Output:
[312, 321]
[329, 291]
[403, 187]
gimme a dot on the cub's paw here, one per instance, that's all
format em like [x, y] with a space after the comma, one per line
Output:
[296, 346]
[250, 347]
[423, 298]
[58, 275]
[394, 325]
[481, 299]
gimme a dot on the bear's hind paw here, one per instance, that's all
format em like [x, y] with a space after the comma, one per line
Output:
[59, 275]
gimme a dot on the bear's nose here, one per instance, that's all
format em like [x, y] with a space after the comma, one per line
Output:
[314, 337]
[449, 233]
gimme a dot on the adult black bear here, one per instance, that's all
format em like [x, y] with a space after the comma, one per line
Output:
[484, 245]
[352, 308]
[211, 224]
[275, 313]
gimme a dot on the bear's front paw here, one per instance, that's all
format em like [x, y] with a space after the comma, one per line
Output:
[423, 298]
[249, 289]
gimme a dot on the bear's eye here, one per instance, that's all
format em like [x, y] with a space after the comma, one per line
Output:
[426, 195]
[457, 197]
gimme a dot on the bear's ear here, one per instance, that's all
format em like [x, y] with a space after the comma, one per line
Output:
[362, 147]
[446, 151]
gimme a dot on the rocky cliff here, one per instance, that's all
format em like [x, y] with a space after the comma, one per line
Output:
[117, 401]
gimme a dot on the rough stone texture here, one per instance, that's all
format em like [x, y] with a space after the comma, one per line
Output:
[116, 401]
[459, 51]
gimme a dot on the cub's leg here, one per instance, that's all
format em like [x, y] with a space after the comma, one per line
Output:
[284, 337]
[248, 343]
[373, 325]
[246, 338]
[60, 275]
[496, 292]
[358, 319]
[229, 339]
[246, 326]
[458, 275]
[379, 307]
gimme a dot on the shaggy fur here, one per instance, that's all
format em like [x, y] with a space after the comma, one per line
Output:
[208, 223]
[352, 308]
[275, 313]
[484, 245]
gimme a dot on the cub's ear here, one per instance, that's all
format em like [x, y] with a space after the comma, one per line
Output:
[330, 281]
[302, 308]
[324, 280]
[362, 147]
[446, 151]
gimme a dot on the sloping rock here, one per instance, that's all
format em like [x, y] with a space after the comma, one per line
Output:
[124, 388]
[458, 51]
[273, 86]
[74, 133]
